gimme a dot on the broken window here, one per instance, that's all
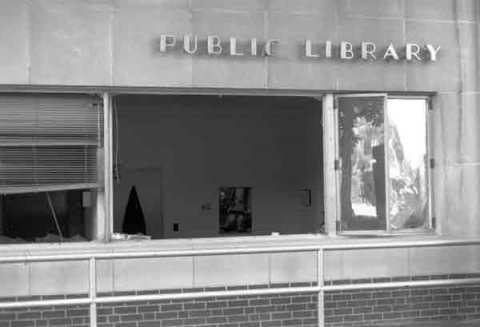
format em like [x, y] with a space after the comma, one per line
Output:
[49, 157]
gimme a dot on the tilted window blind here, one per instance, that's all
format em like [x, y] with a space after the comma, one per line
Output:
[49, 142]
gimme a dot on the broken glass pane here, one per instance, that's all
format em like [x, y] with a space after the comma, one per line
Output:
[407, 163]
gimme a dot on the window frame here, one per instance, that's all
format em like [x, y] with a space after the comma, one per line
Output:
[102, 229]
[432, 228]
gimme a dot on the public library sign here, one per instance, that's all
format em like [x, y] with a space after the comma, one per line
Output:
[215, 46]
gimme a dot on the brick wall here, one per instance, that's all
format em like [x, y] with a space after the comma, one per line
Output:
[46, 316]
[403, 305]
[343, 308]
[251, 311]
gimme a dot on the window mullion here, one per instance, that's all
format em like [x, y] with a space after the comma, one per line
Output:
[107, 222]
[330, 150]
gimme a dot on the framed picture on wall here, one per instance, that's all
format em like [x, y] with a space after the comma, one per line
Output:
[235, 209]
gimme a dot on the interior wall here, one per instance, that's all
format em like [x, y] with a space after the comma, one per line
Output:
[179, 150]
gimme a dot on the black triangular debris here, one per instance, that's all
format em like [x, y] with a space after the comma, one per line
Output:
[133, 220]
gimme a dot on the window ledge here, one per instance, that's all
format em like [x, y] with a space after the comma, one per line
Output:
[308, 241]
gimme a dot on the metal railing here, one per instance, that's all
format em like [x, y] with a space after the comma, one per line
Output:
[320, 288]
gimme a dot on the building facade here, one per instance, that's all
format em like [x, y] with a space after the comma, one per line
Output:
[239, 163]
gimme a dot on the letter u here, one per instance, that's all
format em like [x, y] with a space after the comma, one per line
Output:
[187, 44]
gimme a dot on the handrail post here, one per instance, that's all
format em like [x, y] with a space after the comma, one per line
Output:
[93, 291]
[320, 284]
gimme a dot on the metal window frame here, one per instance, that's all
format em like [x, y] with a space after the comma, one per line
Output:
[388, 231]
[431, 229]
[337, 172]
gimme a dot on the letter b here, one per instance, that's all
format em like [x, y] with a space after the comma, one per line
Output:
[213, 45]
[346, 51]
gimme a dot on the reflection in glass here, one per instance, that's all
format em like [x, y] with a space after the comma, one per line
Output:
[407, 163]
[363, 177]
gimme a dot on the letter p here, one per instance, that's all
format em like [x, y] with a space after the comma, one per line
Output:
[166, 41]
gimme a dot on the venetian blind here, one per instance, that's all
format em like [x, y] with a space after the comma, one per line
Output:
[49, 143]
